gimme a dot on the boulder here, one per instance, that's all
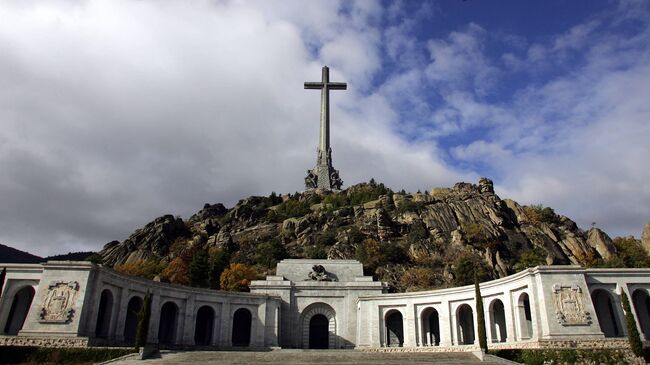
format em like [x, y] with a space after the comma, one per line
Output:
[601, 242]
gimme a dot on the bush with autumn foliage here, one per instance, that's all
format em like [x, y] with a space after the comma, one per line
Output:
[237, 277]
[147, 269]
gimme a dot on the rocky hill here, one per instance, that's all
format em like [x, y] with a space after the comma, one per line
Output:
[420, 240]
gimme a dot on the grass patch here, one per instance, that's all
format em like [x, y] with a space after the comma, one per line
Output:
[46, 355]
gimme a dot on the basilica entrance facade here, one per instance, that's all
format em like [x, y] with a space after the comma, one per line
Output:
[319, 327]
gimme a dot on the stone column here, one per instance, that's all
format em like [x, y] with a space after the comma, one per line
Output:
[189, 321]
[216, 328]
[226, 338]
[508, 311]
[114, 313]
[409, 327]
[121, 315]
[154, 320]
[446, 324]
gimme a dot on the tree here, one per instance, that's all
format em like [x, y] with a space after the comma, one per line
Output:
[219, 261]
[632, 332]
[480, 316]
[418, 278]
[237, 277]
[143, 322]
[269, 253]
[199, 269]
[466, 266]
[177, 272]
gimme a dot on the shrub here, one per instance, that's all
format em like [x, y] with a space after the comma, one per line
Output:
[147, 269]
[219, 261]
[480, 315]
[476, 234]
[316, 252]
[199, 269]
[466, 266]
[177, 272]
[540, 214]
[418, 278]
[143, 322]
[335, 201]
[44, 355]
[630, 324]
[417, 233]
[369, 253]
[269, 253]
[290, 208]
[237, 277]
[531, 258]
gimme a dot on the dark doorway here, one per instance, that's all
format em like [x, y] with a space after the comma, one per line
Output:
[641, 301]
[241, 327]
[465, 317]
[498, 321]
[168, 320]
[430, 327]
[19, 309]
[606, 314]
[394, 329]
[318, 332]
[204, 325]
[104, 314]
[131, 322]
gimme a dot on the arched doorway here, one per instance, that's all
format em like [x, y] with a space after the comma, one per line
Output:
[19, 309]
[318, 332]
[104, 314]
[606, 313]
[131, 322]
[498, 321]
[241, 327]
[465, 318]
[168, 321]
[319, 327]
[641, 301]
[525, 317]
[204, 325]
[430, 327]
[394, 329]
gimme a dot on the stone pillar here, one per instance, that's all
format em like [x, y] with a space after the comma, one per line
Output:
[154, 320]
[216, 329]
[121, 315]
[226, 319]
[409, 326]
[115, 310]
[189, 321]
[446, 325]
[510, 316]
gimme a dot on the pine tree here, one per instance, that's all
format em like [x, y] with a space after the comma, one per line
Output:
[200, 269]
[632, 331]
[480, 316]
[218, 263]
[143, 322]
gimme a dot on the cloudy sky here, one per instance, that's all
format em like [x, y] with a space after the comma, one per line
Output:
[115, 112]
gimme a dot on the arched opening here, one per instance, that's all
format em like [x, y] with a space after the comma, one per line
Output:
[318, 323]
[168, 321]
[525, 317]
[465, 318]
[394, 329]
[131, 322]
[498, 321]
[19, 309]
[241, 327]
[430, 327]
[641, 301]
[319, 332]
[104, 314]
[204, 325]
[606, 313]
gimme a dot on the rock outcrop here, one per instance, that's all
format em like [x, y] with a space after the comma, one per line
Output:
[433, 230]
[645, 237]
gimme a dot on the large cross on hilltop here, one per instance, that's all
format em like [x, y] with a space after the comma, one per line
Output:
[324, 176]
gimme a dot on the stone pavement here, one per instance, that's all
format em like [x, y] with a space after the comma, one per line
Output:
[292, 357]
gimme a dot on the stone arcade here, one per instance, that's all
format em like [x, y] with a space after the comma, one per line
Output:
[321, 304]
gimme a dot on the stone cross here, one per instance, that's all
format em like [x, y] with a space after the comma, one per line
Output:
[324, 176]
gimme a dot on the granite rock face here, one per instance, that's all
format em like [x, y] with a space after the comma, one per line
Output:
[433, 229]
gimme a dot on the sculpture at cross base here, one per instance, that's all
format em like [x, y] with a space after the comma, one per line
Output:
[324, 176]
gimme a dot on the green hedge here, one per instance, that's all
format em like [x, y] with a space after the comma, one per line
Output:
[45, 355]
[564, 356]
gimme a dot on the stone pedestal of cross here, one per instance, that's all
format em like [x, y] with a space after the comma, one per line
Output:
[324, 176]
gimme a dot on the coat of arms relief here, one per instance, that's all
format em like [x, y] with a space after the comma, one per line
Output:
[59, 302]
[570, 306]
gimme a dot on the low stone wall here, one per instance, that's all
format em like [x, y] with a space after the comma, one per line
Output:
[44, 341]
[617, 343]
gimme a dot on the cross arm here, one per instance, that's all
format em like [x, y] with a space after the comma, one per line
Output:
[313, 85]
[337, 85]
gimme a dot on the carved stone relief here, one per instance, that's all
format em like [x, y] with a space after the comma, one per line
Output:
[570, 306]
[59, 302]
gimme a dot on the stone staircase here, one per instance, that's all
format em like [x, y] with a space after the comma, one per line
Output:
[293, 357]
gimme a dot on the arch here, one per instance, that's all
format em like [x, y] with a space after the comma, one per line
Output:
[131, 321]
[606, 313]
[430, 327]
[19, 309]
[525, 317]
[104, 314]
[318, 332]
[498, 321]
[641, 301]
[167, 324]
[308, 336]
[394, 329]
[241, 327]
[465, 327]
[204, 325]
